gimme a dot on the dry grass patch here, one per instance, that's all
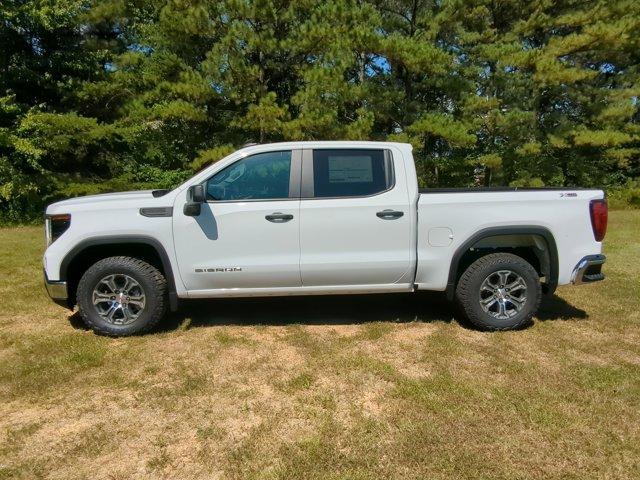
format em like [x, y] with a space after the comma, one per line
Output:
[383, 386]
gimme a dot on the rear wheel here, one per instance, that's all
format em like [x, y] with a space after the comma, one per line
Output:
[499, 291]
[121, 296]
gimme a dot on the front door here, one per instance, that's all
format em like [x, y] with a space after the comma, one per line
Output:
[355, 222]
[247, 233]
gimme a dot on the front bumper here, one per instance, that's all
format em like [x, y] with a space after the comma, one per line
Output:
[588, 270]
[57, 290]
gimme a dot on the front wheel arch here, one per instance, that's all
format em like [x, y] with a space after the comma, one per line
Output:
[130, 287]
[86, 253]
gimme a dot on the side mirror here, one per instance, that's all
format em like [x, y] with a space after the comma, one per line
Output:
[195, 199]
[196, 194]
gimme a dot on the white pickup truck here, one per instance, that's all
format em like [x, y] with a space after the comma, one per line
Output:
[319, 218]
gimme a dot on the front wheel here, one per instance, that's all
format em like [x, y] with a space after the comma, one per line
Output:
[499, 291]
[121, 296]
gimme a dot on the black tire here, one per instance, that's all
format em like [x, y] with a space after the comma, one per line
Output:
[469, 294]
[150, 280]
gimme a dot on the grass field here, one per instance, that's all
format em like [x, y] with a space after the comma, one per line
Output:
[323, 387]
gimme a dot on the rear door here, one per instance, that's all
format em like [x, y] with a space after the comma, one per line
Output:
[355, 222]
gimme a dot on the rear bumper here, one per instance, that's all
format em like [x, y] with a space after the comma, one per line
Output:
[57, 290]
[588, 270]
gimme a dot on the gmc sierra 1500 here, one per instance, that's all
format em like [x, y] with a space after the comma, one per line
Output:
[308, 218]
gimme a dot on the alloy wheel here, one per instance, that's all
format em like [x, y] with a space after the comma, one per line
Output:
[503, 294]
[119, 299]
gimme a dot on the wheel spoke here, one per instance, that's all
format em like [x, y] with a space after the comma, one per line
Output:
[129, 283]
[487, 305]
[101, 298]
[502, 309]
[486, 288]
[112, 310]
[126, 313]
[504, 277]
[517, 301]
[137, 301]
[110, 282]
[516, 285]
[487, 302]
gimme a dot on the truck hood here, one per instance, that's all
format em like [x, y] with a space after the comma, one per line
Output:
[97, 200]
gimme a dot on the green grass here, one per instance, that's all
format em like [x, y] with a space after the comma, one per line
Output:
[323, 387]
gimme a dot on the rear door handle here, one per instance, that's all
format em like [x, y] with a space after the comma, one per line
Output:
[278, 217]
[389, 214]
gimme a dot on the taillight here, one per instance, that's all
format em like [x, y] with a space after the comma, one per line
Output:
[599, 215]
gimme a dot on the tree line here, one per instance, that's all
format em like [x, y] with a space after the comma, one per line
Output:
[103, 95]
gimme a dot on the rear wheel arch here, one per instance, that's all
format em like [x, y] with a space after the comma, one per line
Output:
[92, 250]
[496, 239]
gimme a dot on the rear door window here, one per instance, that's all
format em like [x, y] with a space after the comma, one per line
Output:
[351, 172]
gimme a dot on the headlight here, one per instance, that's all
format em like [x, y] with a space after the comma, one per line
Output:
[56, 225]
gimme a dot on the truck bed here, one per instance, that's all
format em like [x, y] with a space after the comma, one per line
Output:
[448, 219]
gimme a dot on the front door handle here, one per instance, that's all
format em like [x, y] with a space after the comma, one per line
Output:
[389, 214]
[278, 217]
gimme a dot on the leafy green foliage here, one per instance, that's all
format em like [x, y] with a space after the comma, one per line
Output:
[625, 196]
[121, 94]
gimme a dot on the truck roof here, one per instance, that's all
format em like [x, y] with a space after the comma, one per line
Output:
[326, 144]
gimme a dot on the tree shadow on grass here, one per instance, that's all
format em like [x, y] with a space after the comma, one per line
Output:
[424, 307]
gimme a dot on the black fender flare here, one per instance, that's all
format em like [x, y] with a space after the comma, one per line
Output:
[545, 233]
[126, 239]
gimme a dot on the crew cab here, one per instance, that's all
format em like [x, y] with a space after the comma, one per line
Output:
[319, 218]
